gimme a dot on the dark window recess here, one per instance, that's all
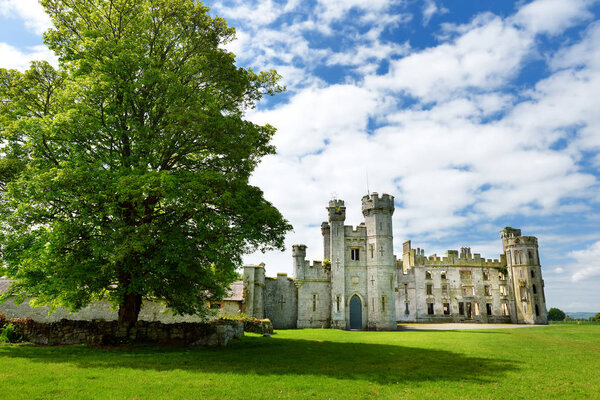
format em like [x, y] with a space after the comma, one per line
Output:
[488, 308]
[406, 309]
[534, 289]
[537, 311]
[430, 308]
[429, 289]
[446, 308]
[532, 273]
[461, 308]
[355, 254]
[427, 274]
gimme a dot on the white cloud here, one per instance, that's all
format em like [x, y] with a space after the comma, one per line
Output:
[430, 8]
[14, 58]
[552, 16]
[587, 262]
[30, 11]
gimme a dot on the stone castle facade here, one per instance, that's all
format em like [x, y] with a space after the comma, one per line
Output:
[362, 285]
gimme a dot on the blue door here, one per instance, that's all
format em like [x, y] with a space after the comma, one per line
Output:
[355, 313]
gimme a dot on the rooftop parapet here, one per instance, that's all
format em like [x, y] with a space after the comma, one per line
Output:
[360, 230]
[521, 240]
[509, 232]
[299, 250]
[374, 202]
[336, 210]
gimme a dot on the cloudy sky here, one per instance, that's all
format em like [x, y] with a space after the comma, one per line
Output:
[474, 114]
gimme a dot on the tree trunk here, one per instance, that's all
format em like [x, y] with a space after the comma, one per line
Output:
[130, 309]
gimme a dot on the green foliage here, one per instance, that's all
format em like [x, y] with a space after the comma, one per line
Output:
[125, 172]
[554, 314]
[8, 334]
[595, 317]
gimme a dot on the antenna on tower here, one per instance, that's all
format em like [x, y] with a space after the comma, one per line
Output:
[367, 174]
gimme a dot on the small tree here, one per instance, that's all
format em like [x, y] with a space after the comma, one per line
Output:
[554, 314]
[124, 173]
[595, 317]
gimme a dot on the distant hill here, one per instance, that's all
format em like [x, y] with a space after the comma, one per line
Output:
[580, 315]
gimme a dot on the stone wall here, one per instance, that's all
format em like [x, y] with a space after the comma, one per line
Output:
[281, 302]
[151, 312]
[216, 333]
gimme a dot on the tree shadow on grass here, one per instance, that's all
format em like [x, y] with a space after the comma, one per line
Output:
[380, 363]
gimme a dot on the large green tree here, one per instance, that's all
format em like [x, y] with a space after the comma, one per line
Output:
[556, 314]
[124, 172]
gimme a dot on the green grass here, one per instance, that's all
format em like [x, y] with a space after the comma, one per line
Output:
[543, 362]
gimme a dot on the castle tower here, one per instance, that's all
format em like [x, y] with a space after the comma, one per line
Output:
[525, 276]
[254, 284]
[378, 213]
[299, 256]
[337, 216]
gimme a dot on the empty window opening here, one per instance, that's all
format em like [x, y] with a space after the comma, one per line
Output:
[468, 291]
[504, 309]
[430, 289]
[461, 308]
[427, 274]
[531, 259]
[534, 289]
[314, 302]
[444, 275]
[502, 290]
[466, 275]
[469, 310]
[406, 290]
[337, 303]
[430, 308]
[488, 290]
[486, 276]
[446, 308]
[444, 290]
[532, 273]
[488, 308]
[476, 308]
[354, 254]
[537, 311]
[501, 276]
[406, 309]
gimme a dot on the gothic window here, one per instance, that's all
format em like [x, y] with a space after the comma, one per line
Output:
[486, 276]
[502, 290]
[504, 309]
[427, 274]
[487, 290]
[430, 308]
[444, 275]
[430, 289]
[488, 308]
[446, 308]
[534, 289]
[532, 273]
[354, 254]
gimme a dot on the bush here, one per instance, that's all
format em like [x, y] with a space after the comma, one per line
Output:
[554, 314]
[8, 334]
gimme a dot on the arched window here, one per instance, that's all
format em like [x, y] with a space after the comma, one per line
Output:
[534, 289]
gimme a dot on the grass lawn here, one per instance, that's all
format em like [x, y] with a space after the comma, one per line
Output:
[544, 362]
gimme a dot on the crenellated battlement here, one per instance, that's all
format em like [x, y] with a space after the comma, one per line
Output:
[374, 202]
[520, 241]
[336, 210]
[358, 231]
[416, 257]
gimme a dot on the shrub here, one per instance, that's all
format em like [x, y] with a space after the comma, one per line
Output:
[554, 314]
[8, 334]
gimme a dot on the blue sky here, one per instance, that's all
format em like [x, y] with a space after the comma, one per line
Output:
[474, 114]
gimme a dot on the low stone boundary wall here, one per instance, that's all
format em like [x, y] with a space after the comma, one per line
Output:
[217, 333]
[255, 325]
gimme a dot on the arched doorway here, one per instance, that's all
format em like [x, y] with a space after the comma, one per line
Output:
[355, 313]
